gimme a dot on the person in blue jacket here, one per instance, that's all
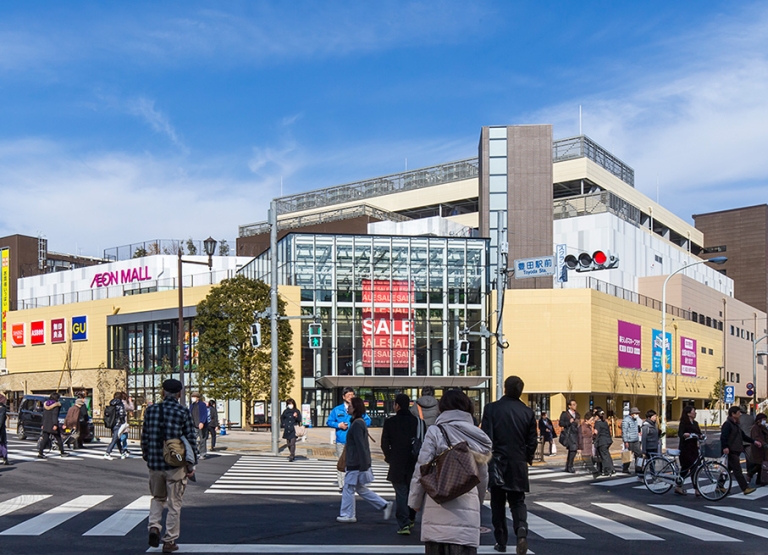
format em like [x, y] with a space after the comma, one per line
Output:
[340, 419]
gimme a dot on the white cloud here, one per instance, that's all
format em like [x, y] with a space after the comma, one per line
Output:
[158, 121]
[696, 119]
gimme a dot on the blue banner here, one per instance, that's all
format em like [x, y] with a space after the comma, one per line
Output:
[657, 346]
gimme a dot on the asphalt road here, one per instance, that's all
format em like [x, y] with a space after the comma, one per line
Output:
[264, 505]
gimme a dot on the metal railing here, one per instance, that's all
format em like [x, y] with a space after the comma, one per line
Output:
[584, 147]
[156, 246]
[596, 203]
[346, 213]
[627, 295]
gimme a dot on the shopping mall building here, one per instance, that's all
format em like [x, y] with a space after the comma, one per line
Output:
[398, 269]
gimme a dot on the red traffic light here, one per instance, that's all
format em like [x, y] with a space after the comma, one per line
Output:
[599, 257]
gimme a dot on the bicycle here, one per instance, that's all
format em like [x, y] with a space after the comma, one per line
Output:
[710, 477]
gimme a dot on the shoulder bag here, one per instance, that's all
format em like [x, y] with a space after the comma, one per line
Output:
[418, 441]
[451, 473]
[174, 453]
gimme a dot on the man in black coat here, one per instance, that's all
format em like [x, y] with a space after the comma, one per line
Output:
[732, 439]
[397, 439]
[512, 428]
[569, 433]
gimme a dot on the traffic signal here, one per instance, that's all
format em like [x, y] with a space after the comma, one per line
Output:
[598, 260]
[256, 335]
[463, 353]
[315, 336]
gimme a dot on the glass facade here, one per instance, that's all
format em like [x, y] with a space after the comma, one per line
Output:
[389, 306]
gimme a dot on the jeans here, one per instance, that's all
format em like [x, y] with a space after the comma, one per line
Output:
[124, 441]
[403, 513]
[499, 499]
[352, 486]
[213, 434]
[115, 440]
[339, 475]
[202, 441]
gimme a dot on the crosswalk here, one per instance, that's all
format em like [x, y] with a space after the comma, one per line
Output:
[259, 475]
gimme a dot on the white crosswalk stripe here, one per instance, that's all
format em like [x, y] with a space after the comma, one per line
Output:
[124, 520]
[602, 523]
[7, 507]
[276, 476]
[56, 516]
[713, 519]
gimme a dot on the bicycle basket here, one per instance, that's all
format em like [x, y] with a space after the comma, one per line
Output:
[711, 450]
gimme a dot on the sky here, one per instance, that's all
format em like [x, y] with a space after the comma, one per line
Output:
[125, 122]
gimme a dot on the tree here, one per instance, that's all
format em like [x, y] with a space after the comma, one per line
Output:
[230, 368]
[191, 248]
[223, 248]
[140, 252]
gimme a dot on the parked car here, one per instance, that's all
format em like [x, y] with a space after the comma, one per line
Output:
[30, 419]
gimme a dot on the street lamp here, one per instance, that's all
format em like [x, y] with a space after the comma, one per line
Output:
[754, 369]
[209, 245]
[715, 260]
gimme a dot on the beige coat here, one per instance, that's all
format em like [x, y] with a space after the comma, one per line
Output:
[456, 521]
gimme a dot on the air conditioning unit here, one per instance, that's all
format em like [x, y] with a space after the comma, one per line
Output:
[3, 371]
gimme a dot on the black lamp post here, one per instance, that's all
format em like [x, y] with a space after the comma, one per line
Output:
[209, 245]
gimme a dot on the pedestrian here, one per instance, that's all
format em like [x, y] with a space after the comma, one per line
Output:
[213, 422]
[547, 433]
[569, 433]
[3, 432]
[358, 468]
[425, 406]
[650, 435]
[452, 528]
[689, 433]
[630, 435]
[114, 418]
[339, 418]
[82, 420]
[732, 439]
[166, 421]
[759, 432]
[289, 420]
[125, 427]
[397, 444]
[199, 411]
[587, 441]
[603, 442]
[50, 426]
[511, 427]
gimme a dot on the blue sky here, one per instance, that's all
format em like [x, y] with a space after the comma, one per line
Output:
[127, 122]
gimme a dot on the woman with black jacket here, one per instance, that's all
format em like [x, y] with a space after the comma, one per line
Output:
[689, 445]
[291, 418]
[358, 468]
[603, 442]
[3, 433]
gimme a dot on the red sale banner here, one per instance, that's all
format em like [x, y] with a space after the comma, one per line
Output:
[388, 332]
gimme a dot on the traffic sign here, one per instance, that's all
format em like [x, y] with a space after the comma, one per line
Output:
[750, 385]
[535, 267]
[730, 394]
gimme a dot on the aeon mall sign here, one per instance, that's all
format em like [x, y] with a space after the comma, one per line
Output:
[121, 277]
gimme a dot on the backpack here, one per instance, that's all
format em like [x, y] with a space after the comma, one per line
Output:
[110, 416]
[72, 418]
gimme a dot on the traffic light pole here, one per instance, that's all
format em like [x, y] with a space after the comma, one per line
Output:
[273, 325]
[501, 285]
[754, 372]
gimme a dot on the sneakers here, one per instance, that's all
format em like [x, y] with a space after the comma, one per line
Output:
[411, 524]
[40, 456]
[749, 490]
[522, 541]
[170, 547]
[404, 531]
[154, 537]
[346, 519]
[500, 548]
[108, 457]
[388, 509]
[63, 454]
[124, 455]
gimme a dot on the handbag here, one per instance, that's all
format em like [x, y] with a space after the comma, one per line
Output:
[451, 473]
[174, 453]
[626, 456]
[301, 431]
[418, 441]
[341, 464]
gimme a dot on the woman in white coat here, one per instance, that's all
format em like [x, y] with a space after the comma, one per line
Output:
[452, 528]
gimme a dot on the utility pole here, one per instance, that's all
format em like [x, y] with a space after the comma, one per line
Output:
[501, 284]
[273, 324]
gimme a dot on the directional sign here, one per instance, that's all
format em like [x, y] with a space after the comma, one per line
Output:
[535, 267]
[730, 394]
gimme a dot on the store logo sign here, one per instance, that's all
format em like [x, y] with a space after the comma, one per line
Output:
[79, 328]
[17, 335]
[121, 277]
[37, 332]
[57, 331]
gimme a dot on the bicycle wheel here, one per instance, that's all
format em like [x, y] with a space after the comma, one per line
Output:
[660, 475]
[713, 480]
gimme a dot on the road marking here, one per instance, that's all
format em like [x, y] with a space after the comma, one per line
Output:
[762, 492]
[292, 548]
[668, 523]
[617, 482]
[58, 515]
[551, 475]
[543, 528]
[575, 479]
[124, 520]
[600, 522]
[740, 512]
[19, 502]
[714, 519]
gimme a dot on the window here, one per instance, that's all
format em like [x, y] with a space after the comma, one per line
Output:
[737, 377]
[704, 350]
[731, 330]
[701, 319]
[720, 326]
[709, 322]
[695, 316]
[658, 259]
[710, 351]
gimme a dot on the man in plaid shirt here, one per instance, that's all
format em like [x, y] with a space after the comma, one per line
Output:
[166, 482]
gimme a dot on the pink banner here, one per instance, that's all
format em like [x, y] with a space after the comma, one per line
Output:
[388, 334]
[688, 354]
[630, 350]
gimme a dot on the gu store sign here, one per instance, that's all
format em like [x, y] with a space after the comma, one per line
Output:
[388, 330]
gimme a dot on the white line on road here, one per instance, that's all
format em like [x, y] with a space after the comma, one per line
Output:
[600, 522]
[667, 523]
[292, 548]
[550, 475]
[618, 482]
[54, 517]
[713, 519]
[19, 502]
[741, 512]
[124, 520]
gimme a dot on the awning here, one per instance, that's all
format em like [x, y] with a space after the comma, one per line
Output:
[329, 382]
